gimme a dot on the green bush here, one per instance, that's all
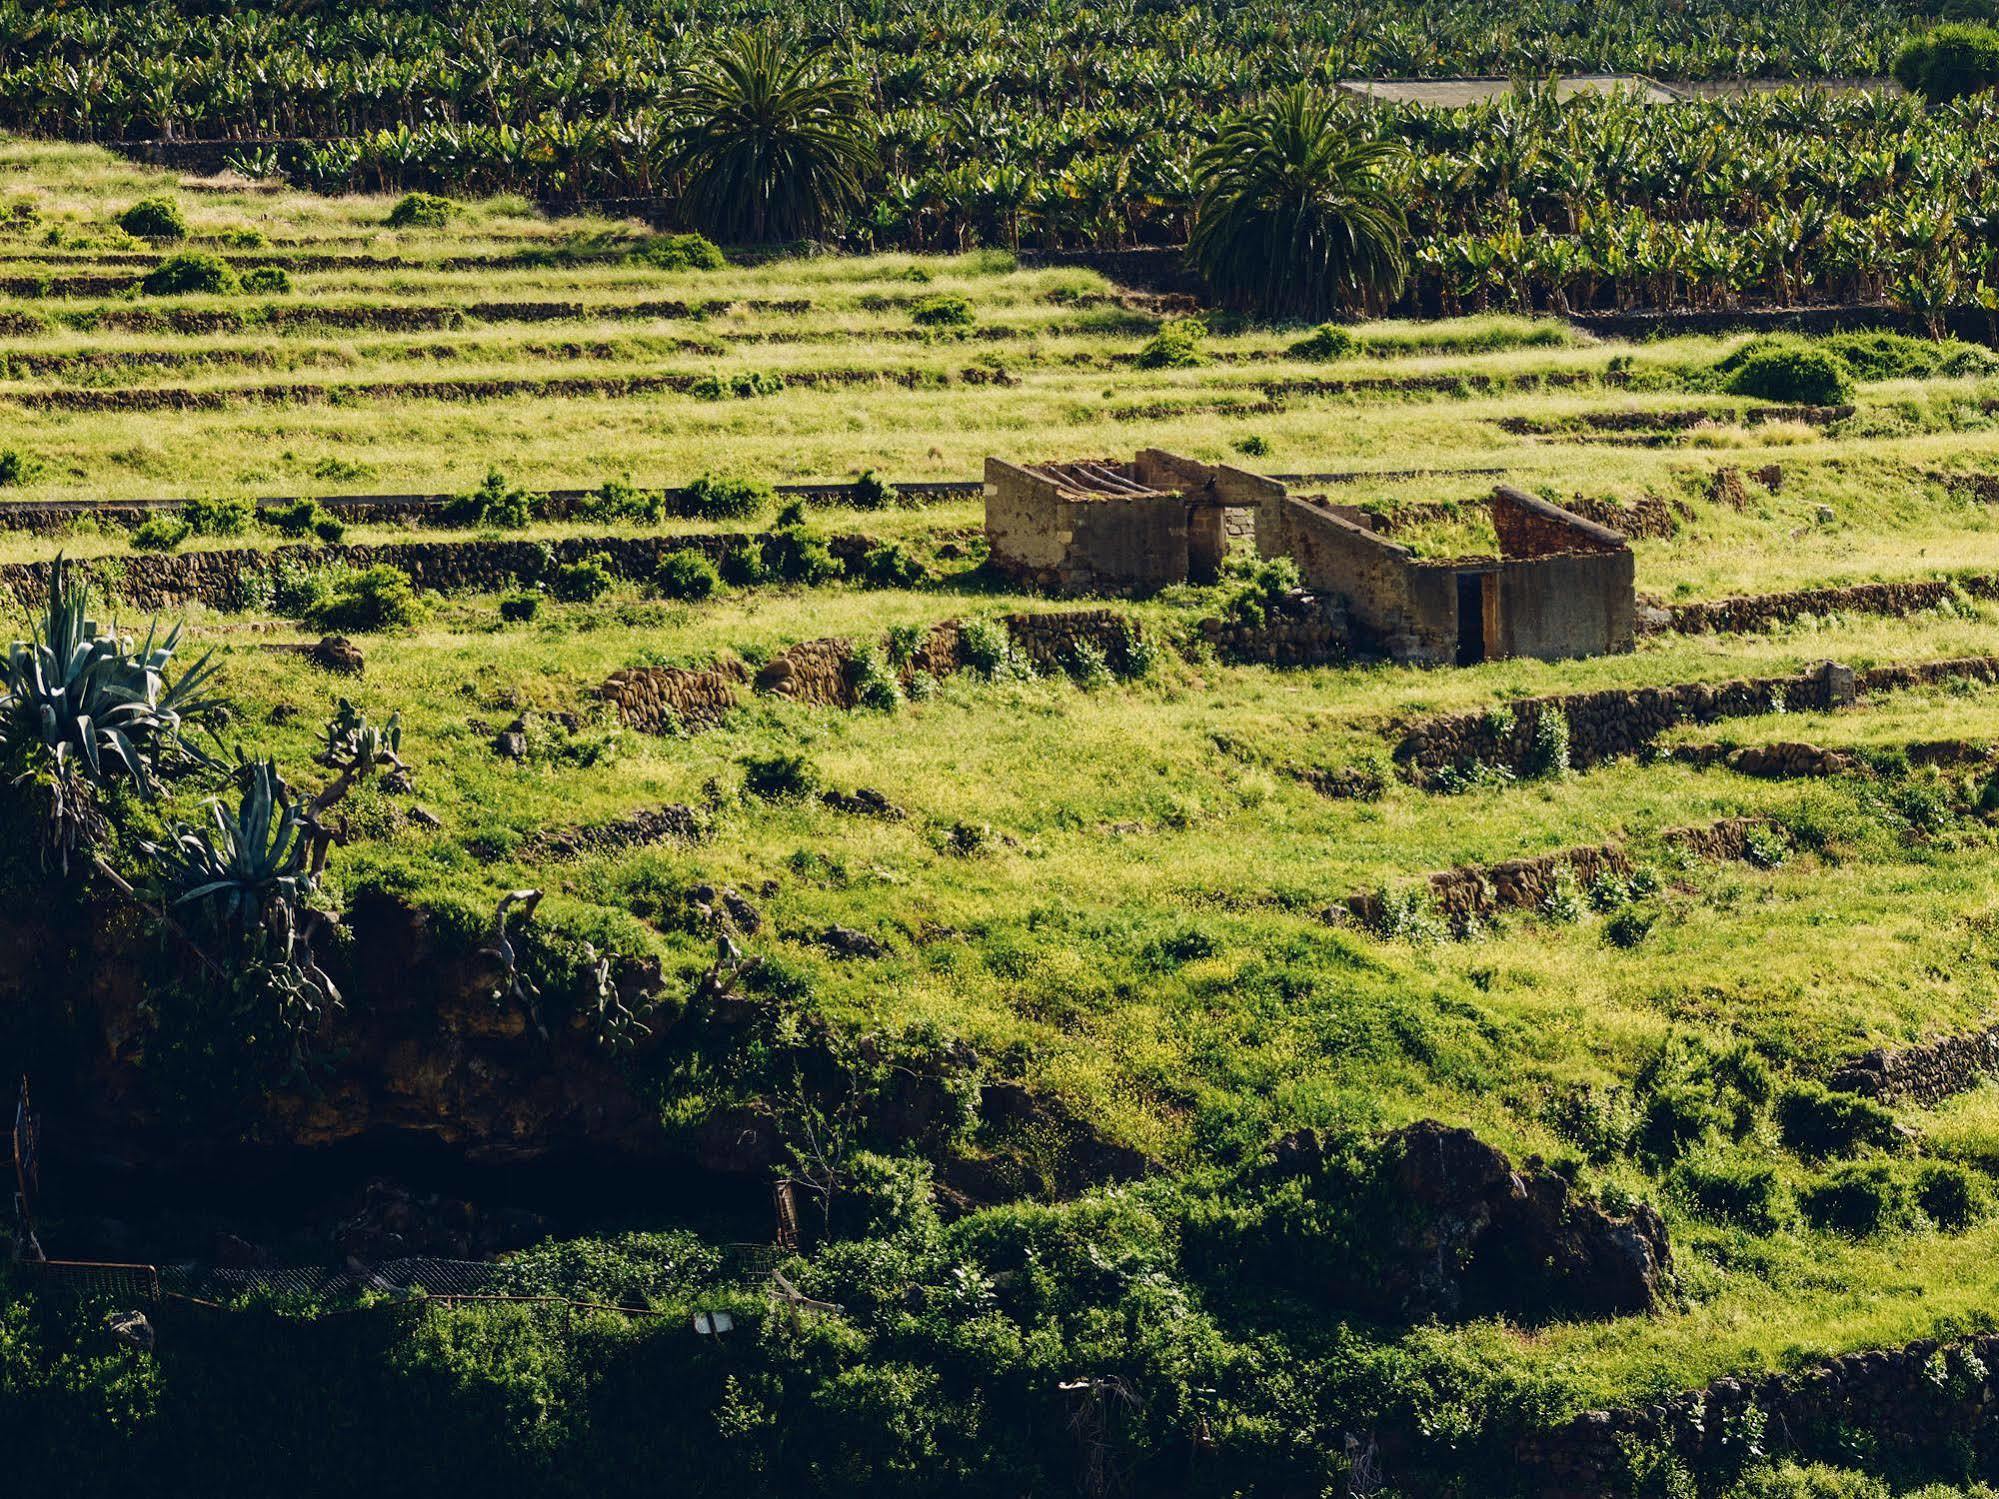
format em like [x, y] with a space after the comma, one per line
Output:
[720, 497]
[519, 608]
[679, 252]
[779, 777]
[617, 500]
[1790, 371]
[161, 534]
[743, 386]
[1949, 62]
[687, 575]
[155, 219]
[1950, 1196]
[743, 564]
[219, 517]
[583, 581]
[874, 680]
[1252, 446]
[942, 312]
[421, 211]
[792, 555]
[986, 648]
[17, 467]
[891, 566]
[1817, 1121]
[1175, 346]
[1731, 1189]
[1858, 1199]
[1326, 343]
[267, 280]
[304, 518]
[872, 492]
[188, 273]
[373, 599]
[1675, 1118]
[494, 505]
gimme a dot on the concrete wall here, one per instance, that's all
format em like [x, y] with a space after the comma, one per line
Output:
[1405, 608]
[1556, 608]
[1102, 544]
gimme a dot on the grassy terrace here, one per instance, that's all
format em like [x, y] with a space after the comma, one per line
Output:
[1143, 931]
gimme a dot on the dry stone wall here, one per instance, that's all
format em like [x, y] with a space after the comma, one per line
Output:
[664, 700]
[1925, 1074]
[223, 579]
[1478, 891]
[1757, 611]
[1918, 1402]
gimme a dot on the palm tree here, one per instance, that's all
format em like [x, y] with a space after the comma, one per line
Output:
[775, 144]
[1295, 217]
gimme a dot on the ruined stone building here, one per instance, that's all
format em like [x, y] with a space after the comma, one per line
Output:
[1561, 586]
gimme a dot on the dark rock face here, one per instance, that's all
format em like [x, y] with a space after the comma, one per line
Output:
[393, 1222]
[1472, 1235]
[1485, 1237]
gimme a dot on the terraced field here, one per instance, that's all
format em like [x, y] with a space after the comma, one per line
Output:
[1087, 987]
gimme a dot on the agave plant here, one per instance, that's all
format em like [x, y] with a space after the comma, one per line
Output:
[82, 708]
[247, 881]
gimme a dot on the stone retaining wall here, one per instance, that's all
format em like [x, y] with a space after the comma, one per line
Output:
[222, 579]
[1925, 1074]
[1755, 611]
[1312, 631]
[1482, 890]
[1622, 721]
[1917, 1402]
[663, 700]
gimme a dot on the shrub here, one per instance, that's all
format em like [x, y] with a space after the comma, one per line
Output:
[1676, 1117]
[717, 497]
[161, 534]
[942, 312]
[373, 599]
[687, 575]
[1089, 666]
[1325, 343]
[875, 683]
[872, 492]
[494, 504]
[679, 252]
[421, 211]
[1791, 371]
[1628, 928]
[904, 641]
[793, 556]
[582, 582]
[740, 387]
[1252, 446]
[17, 467]
[519, 608]
[617, 500]
[1950, 1196]
[267, 279]
[1949, 62]
[154, 218]
[1858, 1199]
[743, 565]
[1262, 590]
[891, 566]
[986, 648]
[779, 777]
[1816, 1121]
[305, 518]
[1548, 755]
[190, 272]
[1136, 655]
[1729, 1189]
[1175, 346]
[219, 517]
